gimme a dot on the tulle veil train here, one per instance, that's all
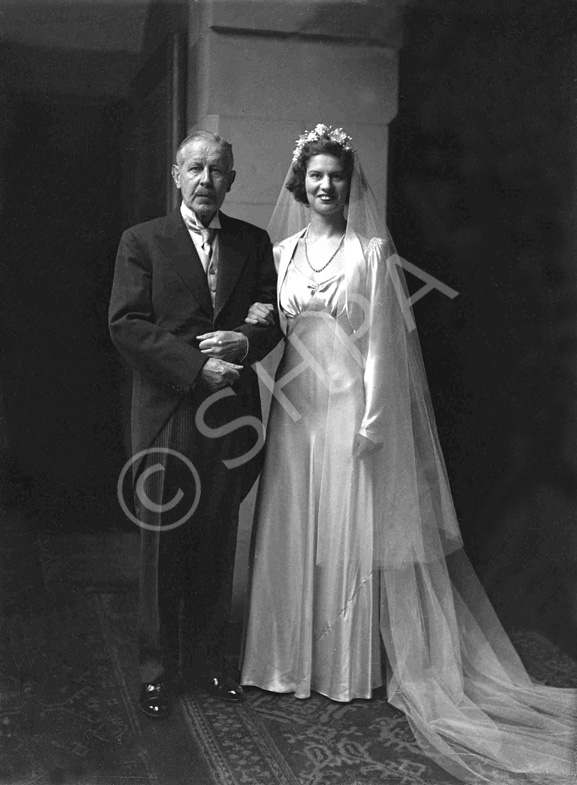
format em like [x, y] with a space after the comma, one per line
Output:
[453, 670]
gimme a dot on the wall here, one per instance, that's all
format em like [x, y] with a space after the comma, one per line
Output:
[60, 224]
[260, 73]
[483, 196]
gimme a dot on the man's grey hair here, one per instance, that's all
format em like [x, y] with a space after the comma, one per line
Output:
[207, 136]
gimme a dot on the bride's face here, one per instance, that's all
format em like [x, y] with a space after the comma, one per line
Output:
[326, 184]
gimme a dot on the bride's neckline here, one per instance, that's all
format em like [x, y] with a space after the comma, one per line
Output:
[312, 282]
[316, 284]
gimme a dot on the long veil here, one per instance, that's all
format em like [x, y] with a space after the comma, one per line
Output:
[453, 670]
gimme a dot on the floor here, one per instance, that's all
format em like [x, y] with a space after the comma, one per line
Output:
[68, 716]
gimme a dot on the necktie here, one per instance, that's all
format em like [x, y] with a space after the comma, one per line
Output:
[207, 256]
[211, 270]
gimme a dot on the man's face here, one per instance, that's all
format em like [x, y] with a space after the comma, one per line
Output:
[204, 177]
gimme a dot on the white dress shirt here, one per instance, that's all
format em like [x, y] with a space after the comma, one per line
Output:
[195, 231]
[209, 260]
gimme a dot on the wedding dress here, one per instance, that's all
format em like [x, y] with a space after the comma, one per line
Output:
[351, 552]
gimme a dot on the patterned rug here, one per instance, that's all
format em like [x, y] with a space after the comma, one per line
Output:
[269, 740]
[66, 716]
[62, 717]
[278, 740]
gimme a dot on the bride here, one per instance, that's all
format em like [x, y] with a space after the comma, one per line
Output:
[357, 546]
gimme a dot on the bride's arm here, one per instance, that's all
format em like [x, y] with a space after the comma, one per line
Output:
[378, 347]
[260, 313]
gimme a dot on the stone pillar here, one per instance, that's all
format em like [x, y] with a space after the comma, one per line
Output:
[261, 72]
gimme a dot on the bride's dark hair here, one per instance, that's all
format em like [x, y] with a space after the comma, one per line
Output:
[325, 146]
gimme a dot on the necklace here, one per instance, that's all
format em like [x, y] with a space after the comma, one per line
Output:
[320, 269]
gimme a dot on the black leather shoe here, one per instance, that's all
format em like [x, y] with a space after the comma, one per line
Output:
[224, 688]
[155, 700]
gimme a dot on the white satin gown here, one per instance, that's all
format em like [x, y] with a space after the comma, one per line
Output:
[351, 552]
[314, 597]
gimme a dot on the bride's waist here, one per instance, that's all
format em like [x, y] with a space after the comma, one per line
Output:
[323, 322]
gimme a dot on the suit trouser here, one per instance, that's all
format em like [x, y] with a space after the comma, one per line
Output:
[186, 568]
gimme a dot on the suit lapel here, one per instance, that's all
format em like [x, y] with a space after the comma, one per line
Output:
[232, 254]
[180, 251]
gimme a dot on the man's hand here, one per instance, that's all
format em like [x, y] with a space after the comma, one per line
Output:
[363, 446]
[260, 313]
[224, 345]
[216, 374]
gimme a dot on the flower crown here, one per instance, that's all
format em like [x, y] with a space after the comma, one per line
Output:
[322, 131]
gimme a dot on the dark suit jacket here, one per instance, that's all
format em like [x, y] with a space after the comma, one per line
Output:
[161, 302]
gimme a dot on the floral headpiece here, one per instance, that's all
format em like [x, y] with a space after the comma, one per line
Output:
[322, 131]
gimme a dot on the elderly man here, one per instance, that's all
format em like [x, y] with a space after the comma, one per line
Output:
[182, 288]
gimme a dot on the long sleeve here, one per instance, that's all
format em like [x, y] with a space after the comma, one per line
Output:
[263, 338]
[146, 345]
[378, 342]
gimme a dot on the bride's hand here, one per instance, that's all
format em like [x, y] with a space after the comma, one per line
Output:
[260, 313]
[363, 446]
